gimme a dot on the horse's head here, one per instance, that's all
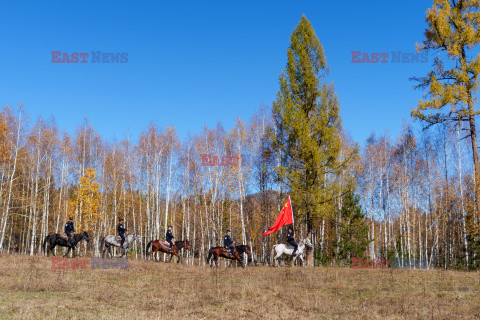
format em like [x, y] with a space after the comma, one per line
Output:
[135, 237]
[187, 245]
[247, 250]
[308, 243]
[85, 236]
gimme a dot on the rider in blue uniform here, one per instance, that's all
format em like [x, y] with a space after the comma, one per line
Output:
[169, 237]
[121, 231]
[69, 229]
[228, 243]
[291, 240]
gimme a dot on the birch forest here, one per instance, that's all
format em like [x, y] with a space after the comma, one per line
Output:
[416, 190]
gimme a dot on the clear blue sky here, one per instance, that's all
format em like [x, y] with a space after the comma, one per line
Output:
[192, 64]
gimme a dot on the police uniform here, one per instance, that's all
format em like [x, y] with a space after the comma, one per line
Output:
[291, 241]
[228, 243]
[121, 232]
[169, 236]
[68, 230]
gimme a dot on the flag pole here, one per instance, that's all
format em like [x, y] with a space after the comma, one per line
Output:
[291, 205]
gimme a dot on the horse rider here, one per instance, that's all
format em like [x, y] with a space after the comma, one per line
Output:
[291, 240]
[121, 231]
[228, 243]
[169, 237]
[69, 229]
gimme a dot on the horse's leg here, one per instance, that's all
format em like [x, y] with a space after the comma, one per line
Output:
[277, 256]
[50, 248]
[67, 252]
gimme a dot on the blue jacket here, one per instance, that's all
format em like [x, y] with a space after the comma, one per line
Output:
[227, 241]
[169, 236]
[69, 227]
[290, 237]
[121, 229]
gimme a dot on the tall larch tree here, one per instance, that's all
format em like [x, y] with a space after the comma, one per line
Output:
[451, 87]
[307, 121]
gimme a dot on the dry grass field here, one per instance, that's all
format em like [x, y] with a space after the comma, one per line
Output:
[30, 289]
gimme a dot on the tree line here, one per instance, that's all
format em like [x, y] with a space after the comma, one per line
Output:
[416, 192]
[411, 198]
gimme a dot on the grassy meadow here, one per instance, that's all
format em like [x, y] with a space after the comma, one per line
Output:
[31, 289]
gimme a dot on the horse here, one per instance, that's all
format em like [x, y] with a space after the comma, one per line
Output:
[216, 252]
[56, 239]
[157, 245]
[281, 249]
[114, 241]
[244, 249]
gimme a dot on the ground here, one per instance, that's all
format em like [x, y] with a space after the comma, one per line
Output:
[31, 289]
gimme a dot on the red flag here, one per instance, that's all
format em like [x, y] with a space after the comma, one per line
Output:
[285, 217]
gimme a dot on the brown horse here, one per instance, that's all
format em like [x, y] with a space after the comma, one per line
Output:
[216, 252]
[158, 245]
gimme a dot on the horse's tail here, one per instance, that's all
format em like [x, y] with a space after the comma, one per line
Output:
[148, 247]
[210, 253]
[45, 242]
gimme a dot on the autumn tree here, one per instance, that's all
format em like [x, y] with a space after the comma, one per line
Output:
[307, 122]
[87, 202]
[354, 228]
[451, 87]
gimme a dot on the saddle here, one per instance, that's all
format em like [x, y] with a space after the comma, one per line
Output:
[289, 246]
[165, 244]
[118, 238]
[227, 251]
[63, 236]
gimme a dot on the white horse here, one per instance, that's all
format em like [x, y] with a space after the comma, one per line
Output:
[114, 241]
[281, 249]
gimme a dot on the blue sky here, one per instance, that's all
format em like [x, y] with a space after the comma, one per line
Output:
[192, 64]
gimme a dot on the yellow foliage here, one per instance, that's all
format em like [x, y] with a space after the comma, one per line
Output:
[87, 201]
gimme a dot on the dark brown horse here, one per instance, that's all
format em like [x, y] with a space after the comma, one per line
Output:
[158, 245]
[216, 252]
[57, 239]
[244, 249]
